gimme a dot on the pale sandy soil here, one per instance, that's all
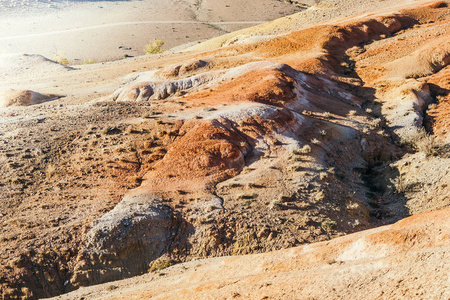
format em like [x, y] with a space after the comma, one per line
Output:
[94, 30]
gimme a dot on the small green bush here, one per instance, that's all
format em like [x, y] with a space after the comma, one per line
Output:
[154, 47]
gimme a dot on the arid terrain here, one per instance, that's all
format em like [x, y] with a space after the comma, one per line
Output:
[98, 31]
[307, 158]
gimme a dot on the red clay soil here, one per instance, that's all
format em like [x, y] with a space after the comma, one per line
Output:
[206, 153]
[272, 87]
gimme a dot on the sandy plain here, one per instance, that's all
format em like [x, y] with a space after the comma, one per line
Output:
[101, 31]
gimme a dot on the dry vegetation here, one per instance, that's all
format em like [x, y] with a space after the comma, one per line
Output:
[154, 47]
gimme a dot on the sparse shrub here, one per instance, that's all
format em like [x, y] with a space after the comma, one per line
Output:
[111, 288]
[306, 149]
[399, 183]
[352, 113]
[295, 158]
[247, 170]
[369, 111]
[162, 133]
[426, 144]
[323, 132]
[319, 196]
[110, 130]
[148, 144]
[135, 179]
[296, 152]
[419, 140]
[161, 264]
[179, 93]
[315, 141]
[382, 133]
[249, 197]
[276, 142]
[252, 185]
[376, 123]
[295, 168]
[234, 185]
[154, 47]
[60, 58]
[130, 130]
[323, 175]
[329, 225]
[275, 205]
[200, 220]
[331, 261]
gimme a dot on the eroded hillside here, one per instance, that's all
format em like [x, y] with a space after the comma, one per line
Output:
[269, 142]
[412, 253]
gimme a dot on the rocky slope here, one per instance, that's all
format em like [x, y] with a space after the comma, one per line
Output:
[289, 136]
[406, 260]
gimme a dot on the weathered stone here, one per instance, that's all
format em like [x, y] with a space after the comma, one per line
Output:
[124, 241]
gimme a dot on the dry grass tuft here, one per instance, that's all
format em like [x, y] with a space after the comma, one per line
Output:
[315, 141]
[60, 58]
[161, 264]
[154, 47]
[420, 141]
[306, 149]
